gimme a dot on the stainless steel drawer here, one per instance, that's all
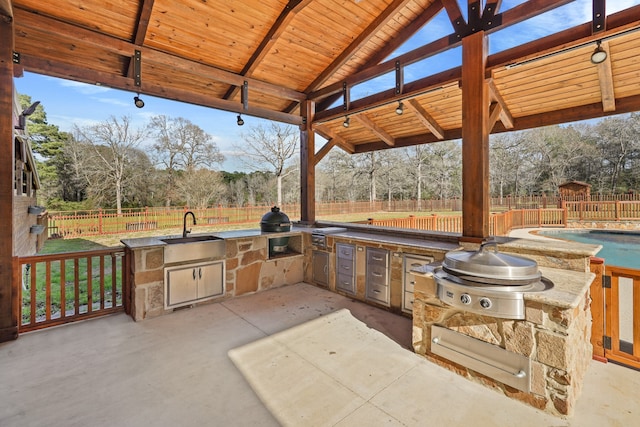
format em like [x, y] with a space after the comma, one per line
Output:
[377, 257]
[377, 275]
[345, 283]
[409, 282]
[344, 266]
[378, 293]
[344, 251]
[411, 262]
[408, 302]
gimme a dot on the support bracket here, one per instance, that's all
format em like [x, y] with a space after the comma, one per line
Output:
[137, 68]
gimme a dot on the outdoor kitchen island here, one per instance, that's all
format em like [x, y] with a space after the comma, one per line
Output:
[540, 358]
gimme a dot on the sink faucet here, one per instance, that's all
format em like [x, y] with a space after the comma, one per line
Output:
[184, 223]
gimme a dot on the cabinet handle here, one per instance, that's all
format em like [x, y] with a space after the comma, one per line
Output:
[377, 258]
[194, 273]
[416, 264]
[376, 291]
[375, 273]
[200, 273]
[346, 267]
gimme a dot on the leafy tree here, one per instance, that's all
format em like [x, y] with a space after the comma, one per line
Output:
[47, 141]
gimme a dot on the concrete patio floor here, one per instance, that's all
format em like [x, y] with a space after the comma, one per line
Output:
[296, 355]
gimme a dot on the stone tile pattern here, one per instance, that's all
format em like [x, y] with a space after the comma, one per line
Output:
[556, 340]
[248, 269]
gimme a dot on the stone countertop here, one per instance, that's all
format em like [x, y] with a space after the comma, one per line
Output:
[568, 289]
[398, 240]
[156, 241]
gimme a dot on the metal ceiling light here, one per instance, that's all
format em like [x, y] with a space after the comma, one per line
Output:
[239, 120]
[599, 55]
[137, 101]
[400, 108]
[346, 122]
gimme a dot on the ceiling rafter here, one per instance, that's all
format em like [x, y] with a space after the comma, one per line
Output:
[385, 51]
[605, 76]
[286, 16]
[141, 30]
[560, 116]
[375, 129]
[121, 47]
[425, 118]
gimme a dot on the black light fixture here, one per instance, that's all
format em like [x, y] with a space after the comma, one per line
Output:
[599, 54]
[400, 108]
[346, 122]
[22, 118]
[137, 101]
[239, 120]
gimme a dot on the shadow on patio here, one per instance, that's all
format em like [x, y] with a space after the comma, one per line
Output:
[296, 355]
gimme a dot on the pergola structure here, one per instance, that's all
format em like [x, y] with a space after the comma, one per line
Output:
[297, 61]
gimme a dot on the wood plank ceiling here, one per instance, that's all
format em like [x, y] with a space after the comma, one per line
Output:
[265, 58]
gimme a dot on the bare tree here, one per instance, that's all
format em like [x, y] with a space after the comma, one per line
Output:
[181, 145]
[110, 152]
[270, 146]
[201, 187]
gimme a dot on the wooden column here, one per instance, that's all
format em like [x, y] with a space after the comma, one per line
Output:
[475, 139]
[307, 166]
[9, 308]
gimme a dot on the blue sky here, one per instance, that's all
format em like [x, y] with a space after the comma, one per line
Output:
[67, 103]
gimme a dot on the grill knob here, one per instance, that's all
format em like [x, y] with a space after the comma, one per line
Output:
[465, 299]
[485, 303]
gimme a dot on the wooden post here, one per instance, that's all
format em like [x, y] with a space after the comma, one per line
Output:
[9, 291]
[475, 139]
[307, 166]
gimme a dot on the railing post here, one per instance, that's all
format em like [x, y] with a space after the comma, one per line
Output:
[100, 221]
[617, 209]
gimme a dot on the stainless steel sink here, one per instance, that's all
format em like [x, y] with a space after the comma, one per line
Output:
[193, 248]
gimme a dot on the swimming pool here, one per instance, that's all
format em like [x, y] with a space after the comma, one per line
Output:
[619, 248]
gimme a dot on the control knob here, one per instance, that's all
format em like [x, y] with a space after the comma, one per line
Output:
[465, 299]
[485, 303]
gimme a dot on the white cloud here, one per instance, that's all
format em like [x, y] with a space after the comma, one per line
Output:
[83, 88]
[113, 101]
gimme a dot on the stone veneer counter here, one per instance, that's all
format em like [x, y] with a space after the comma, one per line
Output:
[398, 240]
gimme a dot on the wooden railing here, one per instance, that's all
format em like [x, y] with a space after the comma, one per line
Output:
[603, 211]
[66, 287]
[500, 223]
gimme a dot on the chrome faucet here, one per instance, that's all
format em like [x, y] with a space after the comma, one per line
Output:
[184, 223]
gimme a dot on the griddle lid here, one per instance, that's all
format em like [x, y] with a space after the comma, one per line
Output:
[490, 264]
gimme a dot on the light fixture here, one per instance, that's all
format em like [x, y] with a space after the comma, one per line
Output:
[239, 120]
[599, 55]
[22, 118]
[346, 122]
[400, 108]
[138, 102]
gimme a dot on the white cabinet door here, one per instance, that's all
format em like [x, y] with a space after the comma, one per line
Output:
[181, 285]
[210, 280]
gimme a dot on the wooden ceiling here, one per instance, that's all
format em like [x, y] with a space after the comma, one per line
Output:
[264, 58]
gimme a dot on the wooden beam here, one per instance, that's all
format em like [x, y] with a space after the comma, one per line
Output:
[143, 22]
[455, 15]
[605, 76]
[332, 141]
[494, 114]
[377, 130]
[286, 16]
[9, 291]
[336, 139]
[67, 71]
[382, 53]
[475, 138]
[413, 89]
[505, 115]
[6, 10]
[425, 118]
[120, 47]
[512, 16]
[307, 166]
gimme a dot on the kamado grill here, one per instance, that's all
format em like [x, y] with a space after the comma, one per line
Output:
[488, 282]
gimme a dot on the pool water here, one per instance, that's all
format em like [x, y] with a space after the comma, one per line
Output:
[619, 248]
